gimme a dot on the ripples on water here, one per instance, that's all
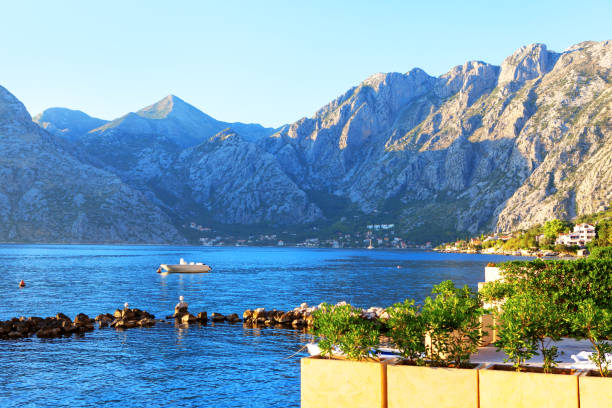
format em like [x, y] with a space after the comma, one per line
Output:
[219, 365]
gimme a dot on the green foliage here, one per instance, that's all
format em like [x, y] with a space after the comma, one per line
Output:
[495, 291]
[595, 323]
[601, 253]
[514, 326]
[567, 282]
[549, 320]
[553, 228]
[550, 299]
[342, 326]
[407, 330]
[452, 319]
[604, 234]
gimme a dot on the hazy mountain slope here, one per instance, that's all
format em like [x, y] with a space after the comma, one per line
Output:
[49, 196]
[238, 183]
[67, 123]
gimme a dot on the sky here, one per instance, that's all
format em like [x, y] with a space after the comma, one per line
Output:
[269, 62]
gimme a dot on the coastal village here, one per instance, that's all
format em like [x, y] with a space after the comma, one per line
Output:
[371, 236]
[553, 238]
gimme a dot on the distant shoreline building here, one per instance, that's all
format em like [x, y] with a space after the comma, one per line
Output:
[582, 234]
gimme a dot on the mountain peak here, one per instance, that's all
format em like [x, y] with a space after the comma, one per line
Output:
[164, 107]
[11, 109]
[528, 62]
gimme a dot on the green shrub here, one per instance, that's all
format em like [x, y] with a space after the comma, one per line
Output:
[342, 326]
[407, 330]
[601, 253]
[565, 282]
[453, 324]
[494, 291]
[514, 330]
[595, 323]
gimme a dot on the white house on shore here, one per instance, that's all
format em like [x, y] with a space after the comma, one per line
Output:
[582, 234]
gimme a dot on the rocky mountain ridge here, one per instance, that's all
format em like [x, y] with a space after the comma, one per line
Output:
[47, 195]
[480, 148]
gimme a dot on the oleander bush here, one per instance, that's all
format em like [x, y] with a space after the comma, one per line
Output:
[527, 323]
[547, 300]
[452, 320]
[407, 329]
[342, 327]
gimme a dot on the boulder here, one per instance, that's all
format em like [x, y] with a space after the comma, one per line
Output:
[15, 335]
[118, 313]
[129, 314]
[284, 318]
[259, 313]
[61, 316]
[298, 323]
[233, 318]
[146, 322]
[67, 327]
[217, 317]
[179, 312]
[82, 320]
[130, 324]
[247, 315]
[188, 319]
[202, 317]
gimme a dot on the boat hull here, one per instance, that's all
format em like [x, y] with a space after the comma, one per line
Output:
[178, 268]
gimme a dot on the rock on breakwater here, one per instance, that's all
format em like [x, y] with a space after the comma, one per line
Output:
[48, 327]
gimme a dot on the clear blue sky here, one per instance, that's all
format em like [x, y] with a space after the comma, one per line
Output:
[270, 62]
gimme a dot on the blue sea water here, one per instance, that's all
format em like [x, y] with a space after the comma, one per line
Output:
[213, 365]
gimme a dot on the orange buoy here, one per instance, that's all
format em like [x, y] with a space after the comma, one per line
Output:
[22, 284]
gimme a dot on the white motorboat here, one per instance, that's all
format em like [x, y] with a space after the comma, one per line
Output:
[184, 267]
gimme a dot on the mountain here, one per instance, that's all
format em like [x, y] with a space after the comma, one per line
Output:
[48, 195]
[479, 148]
[239, 183]
[67, 123]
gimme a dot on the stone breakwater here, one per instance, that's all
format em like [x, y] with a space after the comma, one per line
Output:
[301, 316]
[60, 325]
[48, 327]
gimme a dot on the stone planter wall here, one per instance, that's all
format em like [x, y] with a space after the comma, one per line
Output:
[501, 389]
[410, 386]
[595, 392]
[344, 383]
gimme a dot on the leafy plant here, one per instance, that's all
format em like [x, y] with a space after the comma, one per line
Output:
[566, 282]
[530, 322]
[548, 322]
[515, 330]
[452, 321]
[601, 253]
[407, 330]
[343, 327]
[495, 291]
[553, 228]
[595, 323]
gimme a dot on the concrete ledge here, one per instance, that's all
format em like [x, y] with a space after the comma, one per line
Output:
[343, 383]
[595, 392]
[410, 386]
[509, 389]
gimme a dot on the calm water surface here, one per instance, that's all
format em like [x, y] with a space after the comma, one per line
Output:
[218, 365]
